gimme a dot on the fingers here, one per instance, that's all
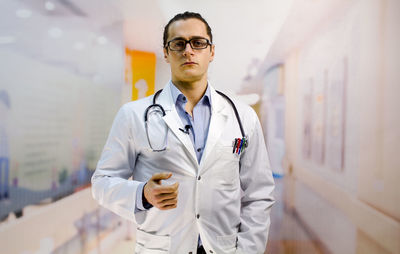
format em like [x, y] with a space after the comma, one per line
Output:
[166, 200]
[160, 176]
[168, 207]
[163, 197]
[168, 203]
[166, 189]
[166, 196]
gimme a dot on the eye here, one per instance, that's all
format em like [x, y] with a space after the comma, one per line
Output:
[178, 44]
[199, 43]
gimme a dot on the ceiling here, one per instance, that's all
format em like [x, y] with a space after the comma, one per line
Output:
[243, 30]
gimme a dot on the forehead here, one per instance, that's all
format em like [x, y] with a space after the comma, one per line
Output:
[187, 28]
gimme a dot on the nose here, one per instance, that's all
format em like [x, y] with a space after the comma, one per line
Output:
[188, 49]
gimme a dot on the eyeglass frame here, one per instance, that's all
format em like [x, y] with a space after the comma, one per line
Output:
[167, 46]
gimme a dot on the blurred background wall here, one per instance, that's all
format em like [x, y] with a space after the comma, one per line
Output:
[341, 127]
[322, 75]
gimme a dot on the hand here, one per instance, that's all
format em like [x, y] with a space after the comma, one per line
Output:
[164, 197]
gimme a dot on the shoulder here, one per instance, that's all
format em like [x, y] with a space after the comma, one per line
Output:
[133, 111]
[137, 106]
[244, 110]
[248, 117]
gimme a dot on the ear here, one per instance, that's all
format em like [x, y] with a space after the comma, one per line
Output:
[212, 53]
[166, 55]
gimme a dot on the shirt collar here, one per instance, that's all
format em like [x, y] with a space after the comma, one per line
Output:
[179, 97]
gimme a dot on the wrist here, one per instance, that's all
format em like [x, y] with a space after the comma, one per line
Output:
[145, 203]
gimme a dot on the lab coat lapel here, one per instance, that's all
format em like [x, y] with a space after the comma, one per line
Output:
[173, 120]
[219, 117]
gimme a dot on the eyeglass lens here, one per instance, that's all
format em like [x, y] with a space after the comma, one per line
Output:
[196, 43]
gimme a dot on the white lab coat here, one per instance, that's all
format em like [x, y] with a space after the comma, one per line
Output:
[226, 199]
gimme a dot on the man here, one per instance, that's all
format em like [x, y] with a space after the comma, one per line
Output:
[197, 187]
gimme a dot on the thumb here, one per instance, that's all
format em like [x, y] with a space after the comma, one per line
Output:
[161, 176]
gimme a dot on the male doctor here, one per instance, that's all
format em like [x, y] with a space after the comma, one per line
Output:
[197, 187]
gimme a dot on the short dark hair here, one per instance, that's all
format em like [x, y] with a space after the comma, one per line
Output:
[184, 16]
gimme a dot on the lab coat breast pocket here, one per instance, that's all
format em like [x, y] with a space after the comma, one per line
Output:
[149, 243]
[226, 174]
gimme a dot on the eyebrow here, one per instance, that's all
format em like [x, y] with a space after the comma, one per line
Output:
[192, 37]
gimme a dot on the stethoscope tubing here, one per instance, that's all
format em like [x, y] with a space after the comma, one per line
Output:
[163, 113]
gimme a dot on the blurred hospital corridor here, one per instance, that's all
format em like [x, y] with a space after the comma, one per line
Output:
[322, 75]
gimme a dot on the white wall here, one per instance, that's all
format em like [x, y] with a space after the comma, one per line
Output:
[340, 88]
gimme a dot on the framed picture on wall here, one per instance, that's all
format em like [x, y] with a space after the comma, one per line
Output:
[336, 114]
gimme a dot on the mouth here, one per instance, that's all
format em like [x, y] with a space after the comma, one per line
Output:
[189, 63]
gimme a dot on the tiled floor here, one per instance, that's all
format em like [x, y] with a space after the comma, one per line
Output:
[123, 247]
[287, 236]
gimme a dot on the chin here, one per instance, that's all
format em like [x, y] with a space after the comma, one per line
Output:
[188, 77]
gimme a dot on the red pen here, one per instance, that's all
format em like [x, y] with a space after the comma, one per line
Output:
[238, 144]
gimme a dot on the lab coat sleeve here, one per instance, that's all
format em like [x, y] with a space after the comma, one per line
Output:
[257, 185]
[110, 184]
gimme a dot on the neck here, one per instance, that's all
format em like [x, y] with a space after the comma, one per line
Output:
[193, 91]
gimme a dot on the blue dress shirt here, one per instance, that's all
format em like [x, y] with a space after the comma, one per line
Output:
[199, 121]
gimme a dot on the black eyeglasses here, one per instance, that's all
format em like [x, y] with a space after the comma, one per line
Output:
[195, 43]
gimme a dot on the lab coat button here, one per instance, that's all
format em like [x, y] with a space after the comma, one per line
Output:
[198, 216]
[211, 251]
[198, 178]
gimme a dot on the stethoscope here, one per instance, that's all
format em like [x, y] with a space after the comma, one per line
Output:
[238, 146]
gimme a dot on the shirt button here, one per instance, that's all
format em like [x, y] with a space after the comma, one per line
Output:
[198, 178]
[198, 216]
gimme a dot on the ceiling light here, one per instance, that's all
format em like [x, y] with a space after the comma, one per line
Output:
[50, 6]
[55, 32]
[102, 40]
[23, 13]
[7, 39]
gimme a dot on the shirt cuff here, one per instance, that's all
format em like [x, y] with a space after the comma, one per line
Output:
[139, 200]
